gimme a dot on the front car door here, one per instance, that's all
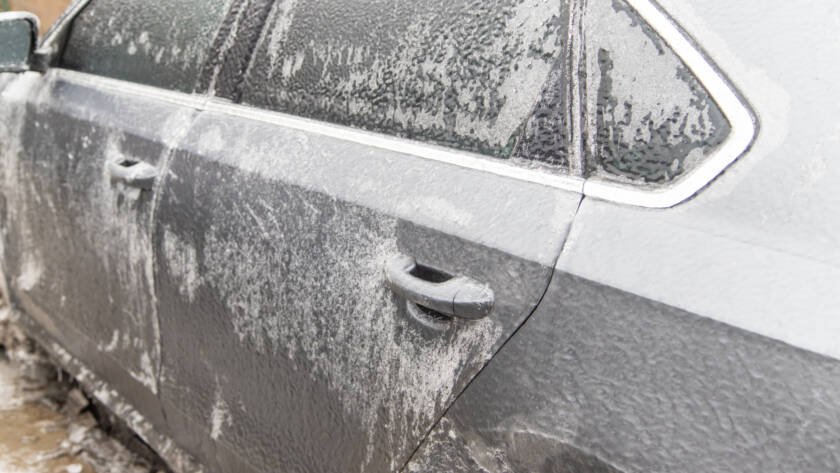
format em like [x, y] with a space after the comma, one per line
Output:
[81, 148]
[430, 131]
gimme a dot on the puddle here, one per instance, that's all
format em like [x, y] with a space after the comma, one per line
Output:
[33, 437]
[49, 425]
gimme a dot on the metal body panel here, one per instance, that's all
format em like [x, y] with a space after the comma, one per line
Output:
[759, 249]
[78, 250]
[279, 338]
[272, 257]
[601, 380]
[697, 338]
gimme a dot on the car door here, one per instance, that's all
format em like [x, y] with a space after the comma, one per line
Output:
[82, 147]
[286, 222]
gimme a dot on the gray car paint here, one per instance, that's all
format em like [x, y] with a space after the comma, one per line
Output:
[500, 245]
[698, 338]
[759, 248]
[272, 256]
[78, 246]
[601, 380]
[282, 282]
[763, 224]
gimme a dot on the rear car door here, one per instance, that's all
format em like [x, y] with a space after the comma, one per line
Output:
[367, 137]
[82, 147]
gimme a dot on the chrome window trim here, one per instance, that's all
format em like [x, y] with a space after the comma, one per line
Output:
[741, 136]
[367, 138]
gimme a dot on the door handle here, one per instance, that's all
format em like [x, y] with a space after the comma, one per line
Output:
[456, 296]
[132, 173]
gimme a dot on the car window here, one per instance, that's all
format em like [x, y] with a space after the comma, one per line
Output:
[653, 120]
[501, 78]
[460, 73]
[161, 43]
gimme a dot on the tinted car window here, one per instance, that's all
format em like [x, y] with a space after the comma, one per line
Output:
[461, 73]
[161, 43]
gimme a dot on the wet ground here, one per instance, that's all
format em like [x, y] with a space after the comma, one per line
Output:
[47, 423]
[34, 436]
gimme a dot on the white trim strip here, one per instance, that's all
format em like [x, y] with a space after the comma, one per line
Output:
[742, 131]
[436, 153]
[740, 137]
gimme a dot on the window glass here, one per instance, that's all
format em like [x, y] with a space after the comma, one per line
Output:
[460, 73]
[653, 120]
[161, 43]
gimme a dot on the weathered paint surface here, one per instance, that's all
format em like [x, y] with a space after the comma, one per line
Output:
[144, 422]
[759, 249]
[78, 247]
[749, 375]
[669, 369]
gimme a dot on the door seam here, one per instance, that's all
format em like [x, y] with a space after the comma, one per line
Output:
[158, 190]
[504, 343]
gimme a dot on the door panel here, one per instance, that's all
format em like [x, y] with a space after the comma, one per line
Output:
[281, 340]
[78, 245]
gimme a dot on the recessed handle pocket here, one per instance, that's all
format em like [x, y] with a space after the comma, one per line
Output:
[456, 296]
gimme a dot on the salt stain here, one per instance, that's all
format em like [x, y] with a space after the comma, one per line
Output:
[330, 309]
[220, 417]
[30, 272]
[182, 262]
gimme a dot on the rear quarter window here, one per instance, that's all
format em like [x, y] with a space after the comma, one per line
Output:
[652, 120]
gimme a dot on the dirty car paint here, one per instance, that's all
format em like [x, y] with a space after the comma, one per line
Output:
[272, 257]
[78, 246]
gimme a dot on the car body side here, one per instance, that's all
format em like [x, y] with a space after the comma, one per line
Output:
[697, 338]
[702, 337]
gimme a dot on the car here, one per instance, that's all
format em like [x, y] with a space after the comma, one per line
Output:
[455, 236]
